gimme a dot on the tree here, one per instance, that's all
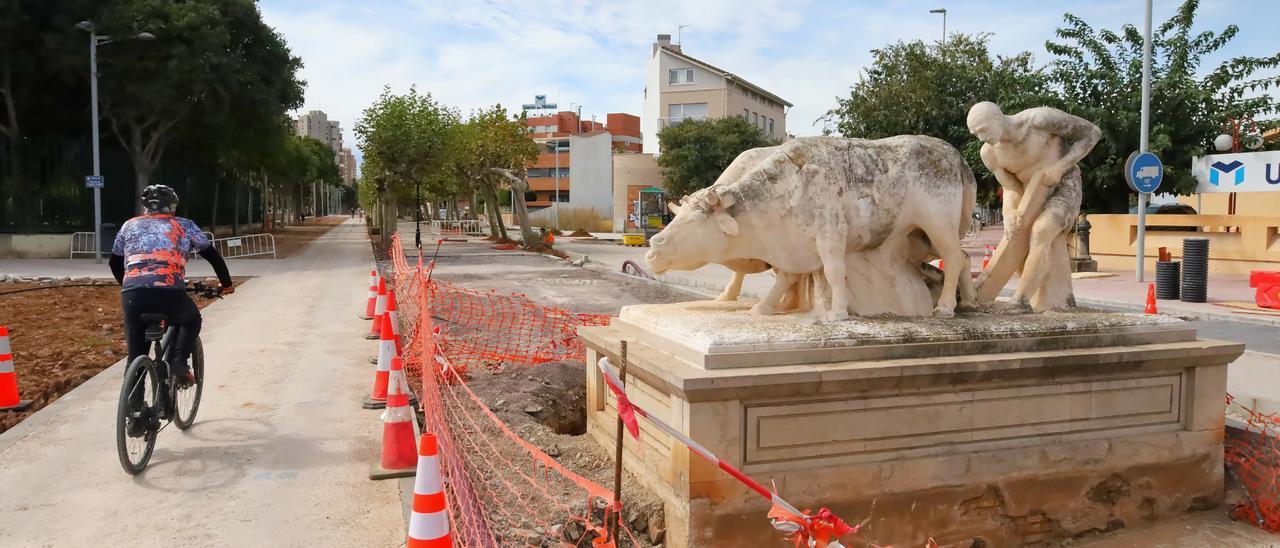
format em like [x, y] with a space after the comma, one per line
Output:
[1099, 73]
[501, 149]
[402, 137]
[696, 152]
[214, 60]
[912, 88]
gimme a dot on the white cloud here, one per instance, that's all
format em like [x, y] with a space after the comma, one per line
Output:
[471, 54]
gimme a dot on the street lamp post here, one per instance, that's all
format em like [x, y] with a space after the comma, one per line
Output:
[943, 11]
[94, 42]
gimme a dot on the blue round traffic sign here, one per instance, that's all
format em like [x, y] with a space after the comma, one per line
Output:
[1143, 171]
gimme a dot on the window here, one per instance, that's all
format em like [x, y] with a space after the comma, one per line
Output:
[680, 76]
[746, 114]
[755, 119]
[680, 111]
[771, 128]
[547, 172]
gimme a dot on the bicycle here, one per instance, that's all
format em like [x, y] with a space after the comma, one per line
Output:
[149, 398]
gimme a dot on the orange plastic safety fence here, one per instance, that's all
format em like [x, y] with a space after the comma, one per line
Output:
[502, 489]
[1253, 456]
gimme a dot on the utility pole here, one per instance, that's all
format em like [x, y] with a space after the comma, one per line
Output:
[1145, 140]
[94, 42]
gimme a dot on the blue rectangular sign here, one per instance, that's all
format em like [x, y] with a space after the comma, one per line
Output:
[93, 181]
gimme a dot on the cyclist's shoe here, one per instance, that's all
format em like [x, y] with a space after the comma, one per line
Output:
[182, 375]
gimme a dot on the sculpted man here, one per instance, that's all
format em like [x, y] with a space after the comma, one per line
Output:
[1033, 155]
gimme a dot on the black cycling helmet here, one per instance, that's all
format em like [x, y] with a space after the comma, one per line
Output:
[159, 198]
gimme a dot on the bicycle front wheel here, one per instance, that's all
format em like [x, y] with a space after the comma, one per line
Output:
[188, 399]
[137, 421]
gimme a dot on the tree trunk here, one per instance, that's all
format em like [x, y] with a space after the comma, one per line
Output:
[213, 217]
[235, 209]
[496, 216]
[518, 187]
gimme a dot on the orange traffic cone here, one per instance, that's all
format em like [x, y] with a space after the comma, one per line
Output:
[373, 295]
[392, 312]
[429, 521]
[9, 399]
[1151, 299]
[394, 317]
[398, 458]
[386, 354]
[379, 308]
[986, 258]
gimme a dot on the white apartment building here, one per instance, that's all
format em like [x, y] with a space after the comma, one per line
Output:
[317, 125]
[679, 87]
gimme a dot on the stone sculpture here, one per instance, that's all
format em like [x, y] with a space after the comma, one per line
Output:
[858, 216]
[1033, 155]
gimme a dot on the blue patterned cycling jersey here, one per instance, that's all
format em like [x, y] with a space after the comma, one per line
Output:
[155, 249]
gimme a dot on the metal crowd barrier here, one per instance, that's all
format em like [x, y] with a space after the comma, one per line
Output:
[468, 227]
[82, 243]
[248, 245]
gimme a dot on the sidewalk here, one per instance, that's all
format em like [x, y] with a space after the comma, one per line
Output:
[280, 450]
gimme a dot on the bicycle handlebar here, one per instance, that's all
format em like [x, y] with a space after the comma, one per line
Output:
[204, 290]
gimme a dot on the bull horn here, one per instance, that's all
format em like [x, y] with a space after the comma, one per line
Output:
[675, 208]
[724, 197]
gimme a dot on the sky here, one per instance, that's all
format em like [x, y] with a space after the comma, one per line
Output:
[473, 53]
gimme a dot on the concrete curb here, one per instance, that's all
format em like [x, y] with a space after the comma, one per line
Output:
[75, 397]
[1181, 312]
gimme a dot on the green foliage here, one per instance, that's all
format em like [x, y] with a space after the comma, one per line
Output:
[1099, 74]
[696, 152]
[403, 138]
[215, 63]
[914, 88]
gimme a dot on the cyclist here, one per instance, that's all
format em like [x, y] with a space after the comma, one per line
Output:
[149, 260]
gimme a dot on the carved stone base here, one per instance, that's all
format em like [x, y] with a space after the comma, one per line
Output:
[1084, 265]
[1010, 429]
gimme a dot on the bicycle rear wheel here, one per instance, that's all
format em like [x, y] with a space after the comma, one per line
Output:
[136, 415]
[188, 399]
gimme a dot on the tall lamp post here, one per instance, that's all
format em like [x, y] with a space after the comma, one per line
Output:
[943, 11]
[94, 42]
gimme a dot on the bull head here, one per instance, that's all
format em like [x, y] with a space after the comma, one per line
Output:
[697, 235]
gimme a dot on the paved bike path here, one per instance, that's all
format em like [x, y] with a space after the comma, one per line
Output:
[279, 453]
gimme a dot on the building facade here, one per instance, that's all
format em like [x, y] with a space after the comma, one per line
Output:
[679, 87]
[317, 125]
[347, 166]
[574, 169]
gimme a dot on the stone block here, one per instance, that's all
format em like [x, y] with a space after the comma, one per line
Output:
[963, 431]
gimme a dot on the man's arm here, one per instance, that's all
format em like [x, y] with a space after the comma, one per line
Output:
[116, 262]
[219, 266]
[1082, 134]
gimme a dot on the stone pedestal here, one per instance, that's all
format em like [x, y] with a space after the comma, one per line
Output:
[1004, 429]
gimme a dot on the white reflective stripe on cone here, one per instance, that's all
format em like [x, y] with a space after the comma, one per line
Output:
[428, 479]
[395, 322]
[386, 351]
[429, 526]
[6, 366]
[4, 346]
[380, 305]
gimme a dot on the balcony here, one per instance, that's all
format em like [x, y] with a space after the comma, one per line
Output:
[548, 184]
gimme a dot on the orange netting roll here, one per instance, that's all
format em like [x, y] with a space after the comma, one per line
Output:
[1253, 456]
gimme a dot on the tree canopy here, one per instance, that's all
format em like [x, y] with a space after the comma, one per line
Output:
[696, 152]
[1098, 73]
[914, 88]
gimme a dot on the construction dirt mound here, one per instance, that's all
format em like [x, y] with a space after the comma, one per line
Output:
[580, 233]
[61, 335]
